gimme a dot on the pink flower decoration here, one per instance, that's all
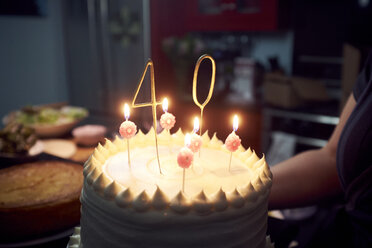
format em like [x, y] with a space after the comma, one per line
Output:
[127, 129]
[195, 143]
[167, 121]
[185, 157]
[232, 142]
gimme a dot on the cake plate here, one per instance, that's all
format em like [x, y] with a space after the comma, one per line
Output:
[75, 240]
[39, 241]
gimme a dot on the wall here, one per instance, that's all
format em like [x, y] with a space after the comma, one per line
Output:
[32, 62]
[280, 44]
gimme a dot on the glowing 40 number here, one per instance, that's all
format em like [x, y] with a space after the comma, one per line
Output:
[153, 102]
[211, 87]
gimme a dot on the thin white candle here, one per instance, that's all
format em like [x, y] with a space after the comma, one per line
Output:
[167, 120]
[233, 141]
[127, 129]
[185, 158]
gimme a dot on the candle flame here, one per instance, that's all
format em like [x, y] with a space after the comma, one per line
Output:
[187, 140]
[196, 124]
[165, 105]
[235, 123]
[126, 111]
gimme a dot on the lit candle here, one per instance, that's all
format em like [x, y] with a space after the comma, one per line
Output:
[196, 125]
[185, 158]
[195, 141]
[233, 141]
[167, 120]
[127, 129]
[187, 139]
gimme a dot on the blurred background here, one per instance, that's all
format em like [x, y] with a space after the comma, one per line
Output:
[286, 67]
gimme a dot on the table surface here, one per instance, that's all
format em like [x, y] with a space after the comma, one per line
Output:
[82, 153]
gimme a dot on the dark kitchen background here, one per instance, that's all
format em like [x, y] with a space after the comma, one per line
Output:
[268, 53]
[286, 67]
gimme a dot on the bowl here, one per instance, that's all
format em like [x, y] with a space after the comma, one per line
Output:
[89, 135]
[54, 130]
[48, 122]
[7, 159]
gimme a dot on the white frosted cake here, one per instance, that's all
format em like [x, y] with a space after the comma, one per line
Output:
[136, 206]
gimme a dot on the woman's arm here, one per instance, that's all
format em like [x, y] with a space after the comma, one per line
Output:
[310, 176]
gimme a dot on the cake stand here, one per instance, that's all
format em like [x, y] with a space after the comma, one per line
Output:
[39, 241]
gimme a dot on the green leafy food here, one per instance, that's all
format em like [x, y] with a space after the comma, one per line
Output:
[49, 116]
[16, 138]
[74, 113]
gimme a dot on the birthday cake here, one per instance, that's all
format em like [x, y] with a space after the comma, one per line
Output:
[127, 202]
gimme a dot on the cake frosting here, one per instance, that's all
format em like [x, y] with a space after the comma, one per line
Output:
[137, 206]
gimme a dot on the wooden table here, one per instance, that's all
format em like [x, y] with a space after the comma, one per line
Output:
[82, 154]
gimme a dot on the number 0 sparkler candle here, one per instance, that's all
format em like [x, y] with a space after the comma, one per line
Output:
[233, 141]
[127, 129]
[211, 87]
[185, 158]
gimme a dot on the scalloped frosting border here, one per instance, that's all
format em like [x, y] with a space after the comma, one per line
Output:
[75, 240]
[202, 203]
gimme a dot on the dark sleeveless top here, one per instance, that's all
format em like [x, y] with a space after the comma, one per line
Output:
[354, 160]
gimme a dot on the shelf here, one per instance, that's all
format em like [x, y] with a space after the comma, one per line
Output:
[316, 118]
[308, 141]
[320, 120]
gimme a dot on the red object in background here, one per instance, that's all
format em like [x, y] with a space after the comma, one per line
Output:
[177, 18]
[231, 15]
[167, 19]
